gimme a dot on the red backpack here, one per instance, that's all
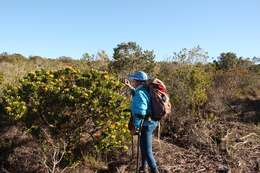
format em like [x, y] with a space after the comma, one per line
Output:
[160, 101]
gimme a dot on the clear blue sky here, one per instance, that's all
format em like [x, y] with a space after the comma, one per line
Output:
[54, 28]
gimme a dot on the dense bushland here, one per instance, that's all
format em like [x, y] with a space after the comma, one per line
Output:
[73, 114]
[69, 109]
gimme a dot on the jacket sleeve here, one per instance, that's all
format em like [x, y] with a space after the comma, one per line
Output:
[139, 107]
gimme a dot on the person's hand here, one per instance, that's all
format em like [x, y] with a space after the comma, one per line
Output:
[127, 83]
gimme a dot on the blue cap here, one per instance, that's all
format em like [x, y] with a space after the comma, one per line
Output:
[138, 75]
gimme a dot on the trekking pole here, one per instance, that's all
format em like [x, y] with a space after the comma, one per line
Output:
[138, 147]
[132, 147]
[159, 135]
[137, 159]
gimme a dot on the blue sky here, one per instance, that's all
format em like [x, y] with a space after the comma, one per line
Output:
[54, 28]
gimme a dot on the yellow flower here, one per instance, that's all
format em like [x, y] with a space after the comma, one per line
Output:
[45, 88]
[113, 126]
[125, 148]
[113, 136]
[106, 76]
[8, 109]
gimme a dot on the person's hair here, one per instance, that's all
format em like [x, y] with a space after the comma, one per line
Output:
[141, 81]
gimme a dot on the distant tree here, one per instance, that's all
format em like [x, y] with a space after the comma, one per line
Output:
[130, 56]
[256, 60]
[87, 57]
[190, 56]
[102, 60]
[226, 61]
[229, 60]
[65, 59]
[99, 61]
[102, 56]
[4, 54]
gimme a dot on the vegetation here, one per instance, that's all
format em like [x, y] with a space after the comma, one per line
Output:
[55, 106]
[70, 115]
[130, 57]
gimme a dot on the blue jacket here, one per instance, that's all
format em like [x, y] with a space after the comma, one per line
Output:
[141, 106]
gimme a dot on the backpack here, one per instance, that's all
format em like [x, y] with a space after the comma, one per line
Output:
[160, 101]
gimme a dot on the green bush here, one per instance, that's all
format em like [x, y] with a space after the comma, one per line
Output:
[189, 90]
[71, 107]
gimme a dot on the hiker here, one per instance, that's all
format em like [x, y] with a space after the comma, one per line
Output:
[142, 123]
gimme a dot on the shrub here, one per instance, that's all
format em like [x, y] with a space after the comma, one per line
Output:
[189, 90]
[71, 107]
